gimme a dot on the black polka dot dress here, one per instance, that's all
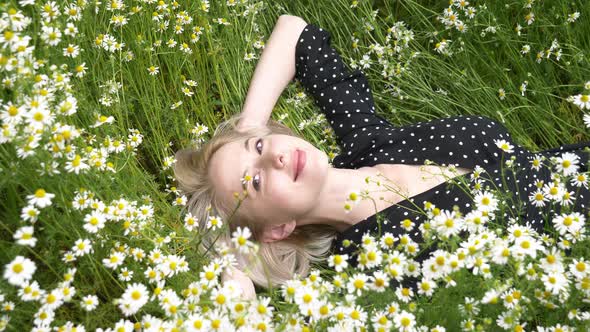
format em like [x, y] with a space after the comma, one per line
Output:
[366, 139]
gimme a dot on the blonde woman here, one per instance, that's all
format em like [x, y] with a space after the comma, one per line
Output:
[295, 197]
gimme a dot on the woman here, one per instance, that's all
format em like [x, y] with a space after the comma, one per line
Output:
[294, 203]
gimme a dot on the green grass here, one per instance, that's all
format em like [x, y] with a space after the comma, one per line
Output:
[430, 86]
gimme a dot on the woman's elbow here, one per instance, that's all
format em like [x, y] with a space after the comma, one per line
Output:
[290, 20]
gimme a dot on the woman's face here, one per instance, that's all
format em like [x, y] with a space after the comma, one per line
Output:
[274, 197]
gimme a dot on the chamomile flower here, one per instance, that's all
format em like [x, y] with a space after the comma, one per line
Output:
[358, 284]
[82, 247]
[241, 237]
[486, 202]
[404, 294]
[19, 271]
[249, 56]
[102, 119]
[582, 101]
[187, 91]
[504, 145]
[404, 321]
[24, 236]
[555, 282]
[568, 223]
[380, 281]
[89, 302]
[40, 198]
[538, 199]
[338, 262]
[134, 297]
[30, 291]
[153, 70]
[214, 222]
[190, 222]
[76, 164]
[71, 51]
[579, 268]
[580, 180]
[94, 221]
[114, 260]
[587, 120]
[180, 200]
[567, 163]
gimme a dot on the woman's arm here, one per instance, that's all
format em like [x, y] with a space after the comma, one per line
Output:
[275, 69]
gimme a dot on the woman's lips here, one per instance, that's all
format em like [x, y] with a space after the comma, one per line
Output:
[300, 163]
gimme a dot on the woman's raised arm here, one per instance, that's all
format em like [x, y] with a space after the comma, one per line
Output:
[275, 69]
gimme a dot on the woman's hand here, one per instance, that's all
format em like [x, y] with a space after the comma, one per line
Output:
[245, 283]
[275, 69]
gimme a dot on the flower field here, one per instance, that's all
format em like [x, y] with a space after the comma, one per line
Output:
[97, 96]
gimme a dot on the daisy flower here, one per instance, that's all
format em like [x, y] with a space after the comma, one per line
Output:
[568, 223]
[190, 222]
[214, 222]
[30, 291]
[530, 18]
[537, 162]
[555, 282]
[209, 276]
[40, 198]
[180, 200]
[307, 299]
[526, 246]
[76, 164]
[537, 198]
[554, 191]
[94, 222]
[567, 163]
[241, 237]
[357, 284]
[580, 180]
[153, 70]
[82, 247]
[135, 297]
[89, 302]
[24, 236]
[71, 51]
[19, 271]
[448, 223]
[579, 268]
[426, 287]
[504, 145]
[404, 294]
[582, 101]
[249, 56]
[380, 281]
[187, 91]
[387, 241]
[486, 202]
[587, 120]
[338, 262]
[114, 260]
[103, 119]
[404, 321]
[29, 213]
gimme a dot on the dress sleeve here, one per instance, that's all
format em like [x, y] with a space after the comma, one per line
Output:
[344, 97]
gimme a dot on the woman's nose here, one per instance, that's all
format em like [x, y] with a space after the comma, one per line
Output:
[276, 160]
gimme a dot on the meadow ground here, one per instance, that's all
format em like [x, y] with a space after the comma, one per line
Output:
[96, 97]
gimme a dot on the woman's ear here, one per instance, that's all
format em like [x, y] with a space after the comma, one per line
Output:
[277, 232]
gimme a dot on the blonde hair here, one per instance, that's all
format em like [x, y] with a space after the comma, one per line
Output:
[278, 261]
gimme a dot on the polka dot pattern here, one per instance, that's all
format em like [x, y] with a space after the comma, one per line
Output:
[366, 139]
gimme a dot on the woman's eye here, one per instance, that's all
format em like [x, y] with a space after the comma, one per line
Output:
[256, 180]
[259, 140]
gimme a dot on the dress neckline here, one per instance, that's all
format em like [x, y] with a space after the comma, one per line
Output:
[350, 230]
